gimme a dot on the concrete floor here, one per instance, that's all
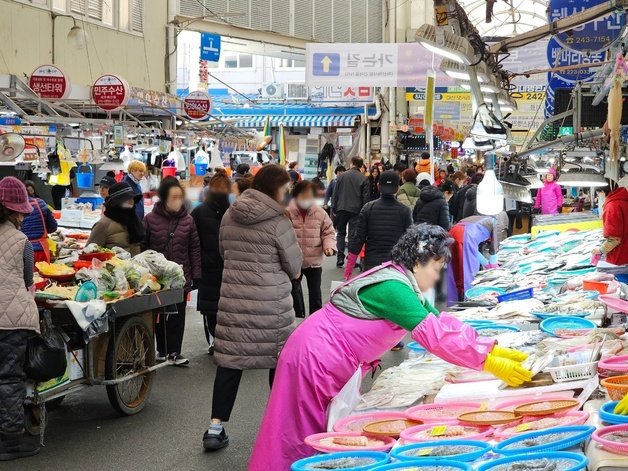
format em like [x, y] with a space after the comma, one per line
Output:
[85, 433]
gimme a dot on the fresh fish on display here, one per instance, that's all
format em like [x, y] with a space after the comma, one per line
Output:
[443, 450]
[540, 440]
[522, 340]
[342, 463]
[619, 436]
[543, 464]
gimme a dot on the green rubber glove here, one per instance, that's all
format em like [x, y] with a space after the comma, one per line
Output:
[509, 371]
[622, 406]
[509, 353]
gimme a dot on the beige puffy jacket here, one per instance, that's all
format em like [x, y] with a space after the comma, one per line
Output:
[315, 233]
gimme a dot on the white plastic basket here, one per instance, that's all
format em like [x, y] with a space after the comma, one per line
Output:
[561, 374]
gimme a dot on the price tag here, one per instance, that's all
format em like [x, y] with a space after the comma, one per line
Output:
[425, 452]
[483, 406]
[523, 427]
[438, 430]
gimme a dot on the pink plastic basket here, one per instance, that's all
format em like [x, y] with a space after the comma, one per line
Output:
[355, 423]
[570, 418]
[513, 403]
[617, 363]
[315, 442]
[409, 435]
[615, 447]
[426, 412]
[615, 303]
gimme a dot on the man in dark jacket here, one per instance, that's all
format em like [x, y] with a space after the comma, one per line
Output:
[380, 226]
[350, 195]
[462, 197]
[432, 208]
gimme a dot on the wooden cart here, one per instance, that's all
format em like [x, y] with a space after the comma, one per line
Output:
[122, 359]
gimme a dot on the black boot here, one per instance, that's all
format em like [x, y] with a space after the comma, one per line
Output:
[18, 445]
[340, 260]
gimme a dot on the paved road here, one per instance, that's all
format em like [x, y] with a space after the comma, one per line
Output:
[85, 433]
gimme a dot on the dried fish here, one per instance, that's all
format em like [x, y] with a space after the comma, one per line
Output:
[443, 450]
[543, 464]
[620, 436]
[540, 440]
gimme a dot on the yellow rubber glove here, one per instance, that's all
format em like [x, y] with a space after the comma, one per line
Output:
[509, 371]
[622, 406]
[509, 353]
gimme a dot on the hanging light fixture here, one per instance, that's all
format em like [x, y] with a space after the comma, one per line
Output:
[484, 87]
[445, 43]
[490, 193]
[459, 71]
[582, 178]
[77, 36]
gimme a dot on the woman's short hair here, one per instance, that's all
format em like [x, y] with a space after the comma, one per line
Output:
[220, 179]
[446, 186]
[136, 166]
[302, 187]
[244, 183]
[458, 176]
[409, 175]
[420, 244]
[269, 179]
[166, 185]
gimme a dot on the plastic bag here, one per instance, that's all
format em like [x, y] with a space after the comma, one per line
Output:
[46, 356]
[169, 274]
[345, 401]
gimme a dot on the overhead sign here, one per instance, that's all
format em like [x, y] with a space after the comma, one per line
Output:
[197, 105]
[341, 94]
[110, 92]
[210, 47]
[49, 82]
[559, 56]
[364, 65]
[596, 35]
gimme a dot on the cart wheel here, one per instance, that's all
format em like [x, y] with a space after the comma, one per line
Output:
[32, 419]
[54, 403]
[131, 349]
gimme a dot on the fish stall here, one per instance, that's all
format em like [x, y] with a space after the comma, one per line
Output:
[569, 317]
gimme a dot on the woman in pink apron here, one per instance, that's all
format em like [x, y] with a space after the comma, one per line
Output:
[364, 319]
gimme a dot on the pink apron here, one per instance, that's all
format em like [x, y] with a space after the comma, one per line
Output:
[320, 356]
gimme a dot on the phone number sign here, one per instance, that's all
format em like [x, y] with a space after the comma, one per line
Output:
[110, 92]
[593, 36]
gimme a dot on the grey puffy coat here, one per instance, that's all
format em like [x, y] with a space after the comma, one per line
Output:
[261, 256]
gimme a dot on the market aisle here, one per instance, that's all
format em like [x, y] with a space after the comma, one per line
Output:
[85, 433]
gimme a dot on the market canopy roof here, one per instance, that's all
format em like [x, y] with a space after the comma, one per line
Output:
[510, 17]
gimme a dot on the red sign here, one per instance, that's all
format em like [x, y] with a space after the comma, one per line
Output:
[49, 82]
[110, 92]
[197, 105]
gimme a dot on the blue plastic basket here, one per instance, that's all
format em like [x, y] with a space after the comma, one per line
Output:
[622, 278]
[551, 325]
[580, 461]
[478, 291]
[200, 168]
[551, 315]
[580, 433]
[381, 458]
[519, 295]
[607, 415]
[85, 177]
[95, 201]
[478, 322]
[401, 453]
[418, 464]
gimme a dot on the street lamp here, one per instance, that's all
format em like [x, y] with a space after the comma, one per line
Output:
[77, 36]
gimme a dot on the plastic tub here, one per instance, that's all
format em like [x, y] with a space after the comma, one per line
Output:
[617, 363]
[95, 201]
[315, 442]
[418, 464]
[617, 386]
[599, 286]
[580, 461]
[407, 452]
[620, 305]
[415, 350]
[428, 412]
[551, 325]
[478, 291]
[168, 172]
[479, 433]
[379, 457]
[579, 433]
[511, 404]
[102, 256]
[355, 423]
[607, 415]
[200, 168]
[569, 418]
[615, 447]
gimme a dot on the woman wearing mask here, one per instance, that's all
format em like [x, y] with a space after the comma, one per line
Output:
[373, 179]
[119, 226]
[316, 236]
[255, 315]
[549, 199]
[170, 230]
[208, 217]
[19, 319]
[137, 171]
[364, 319]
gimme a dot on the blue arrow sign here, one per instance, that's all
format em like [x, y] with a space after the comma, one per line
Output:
[210, 47]
[325, 64]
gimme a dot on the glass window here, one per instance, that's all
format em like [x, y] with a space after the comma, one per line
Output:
[246, 61]
[231, 61]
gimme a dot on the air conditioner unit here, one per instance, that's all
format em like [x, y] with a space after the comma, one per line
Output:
[297, 91]
[273, 91]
